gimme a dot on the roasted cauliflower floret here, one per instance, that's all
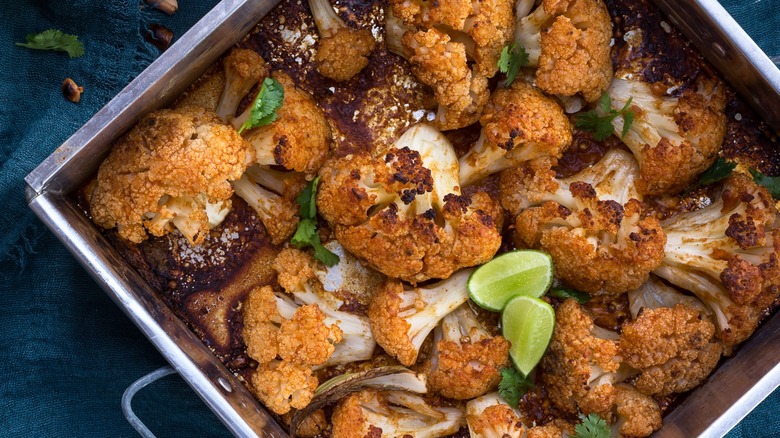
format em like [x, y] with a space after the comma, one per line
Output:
[393, 414]
[727, 255]
[636, 414]
[287, 341]
[243, 69]
[402, 317]
[596, 235]
[674, 139]
[568, 41]
[343, 52]
[171, 171]
[283, 385]
[466, 361]
[519, 124]
[489, 416]
[299, 138]
[298, 275]
[582, 363]
[674, 348]
[402, 211]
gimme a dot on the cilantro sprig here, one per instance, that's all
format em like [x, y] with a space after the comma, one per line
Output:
[563, 293]
[719, 170]
[53, 39]
[601, 125]
[512, 58]
[306, 234]
[592, 426]
[513, 386]
[772, 183]
[263, 109]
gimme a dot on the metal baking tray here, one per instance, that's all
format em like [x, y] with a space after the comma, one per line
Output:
[711, 410]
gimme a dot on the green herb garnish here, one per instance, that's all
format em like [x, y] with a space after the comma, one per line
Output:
[563, 293]
[306, 234]
[512, 58]
[54, 39]
[772, 183]
[263, 110]
[719, 170]
[601, 125]
[592, 426]
[513, 386]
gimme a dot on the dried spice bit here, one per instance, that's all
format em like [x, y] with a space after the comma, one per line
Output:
[167, 6]
[159, 35]
[71, 90]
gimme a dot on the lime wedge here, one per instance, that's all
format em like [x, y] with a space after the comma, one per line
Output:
[522, 272]
[527, 323]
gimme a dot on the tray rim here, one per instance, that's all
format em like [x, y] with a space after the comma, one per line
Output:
[49, 183]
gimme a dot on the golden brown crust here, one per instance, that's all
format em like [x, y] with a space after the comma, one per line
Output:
[344, 54]
[468, 369]
[156, 159]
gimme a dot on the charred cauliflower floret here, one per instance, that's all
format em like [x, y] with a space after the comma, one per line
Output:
[243, 69]
[343, 52]
[483, 27]
[466, 361]
[287, 341]
[727, 255]
[403, 212]
[402, 317]
[171, 171]
[582, 363]
[370, 413]
[636, 414]
[674, 348]
[298, 275]
[673, 138]
[568, 41]
[595, 233]
[519, 124]
[489, 416]
[299, 138]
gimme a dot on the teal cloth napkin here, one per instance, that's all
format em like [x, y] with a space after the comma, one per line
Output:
[67, 352]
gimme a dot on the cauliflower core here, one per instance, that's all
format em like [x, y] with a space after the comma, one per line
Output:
[568, 41]
[403, 212]
[170, 171]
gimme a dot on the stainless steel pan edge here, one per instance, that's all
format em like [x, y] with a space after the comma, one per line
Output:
[711, 410]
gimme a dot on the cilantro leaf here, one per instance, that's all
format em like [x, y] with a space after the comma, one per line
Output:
[306, 199]
[512, 58]
[306, 234]
[54, 39]
[592, 426]
[719, 170]
[263, 110]
[323, 254]
[772, 183]
[563, 293]
[513, 386]
[601, 125]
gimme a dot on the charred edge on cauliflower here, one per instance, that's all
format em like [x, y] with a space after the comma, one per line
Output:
[401, 318]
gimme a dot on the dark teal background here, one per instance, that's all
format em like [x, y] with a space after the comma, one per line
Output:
[66, 351]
